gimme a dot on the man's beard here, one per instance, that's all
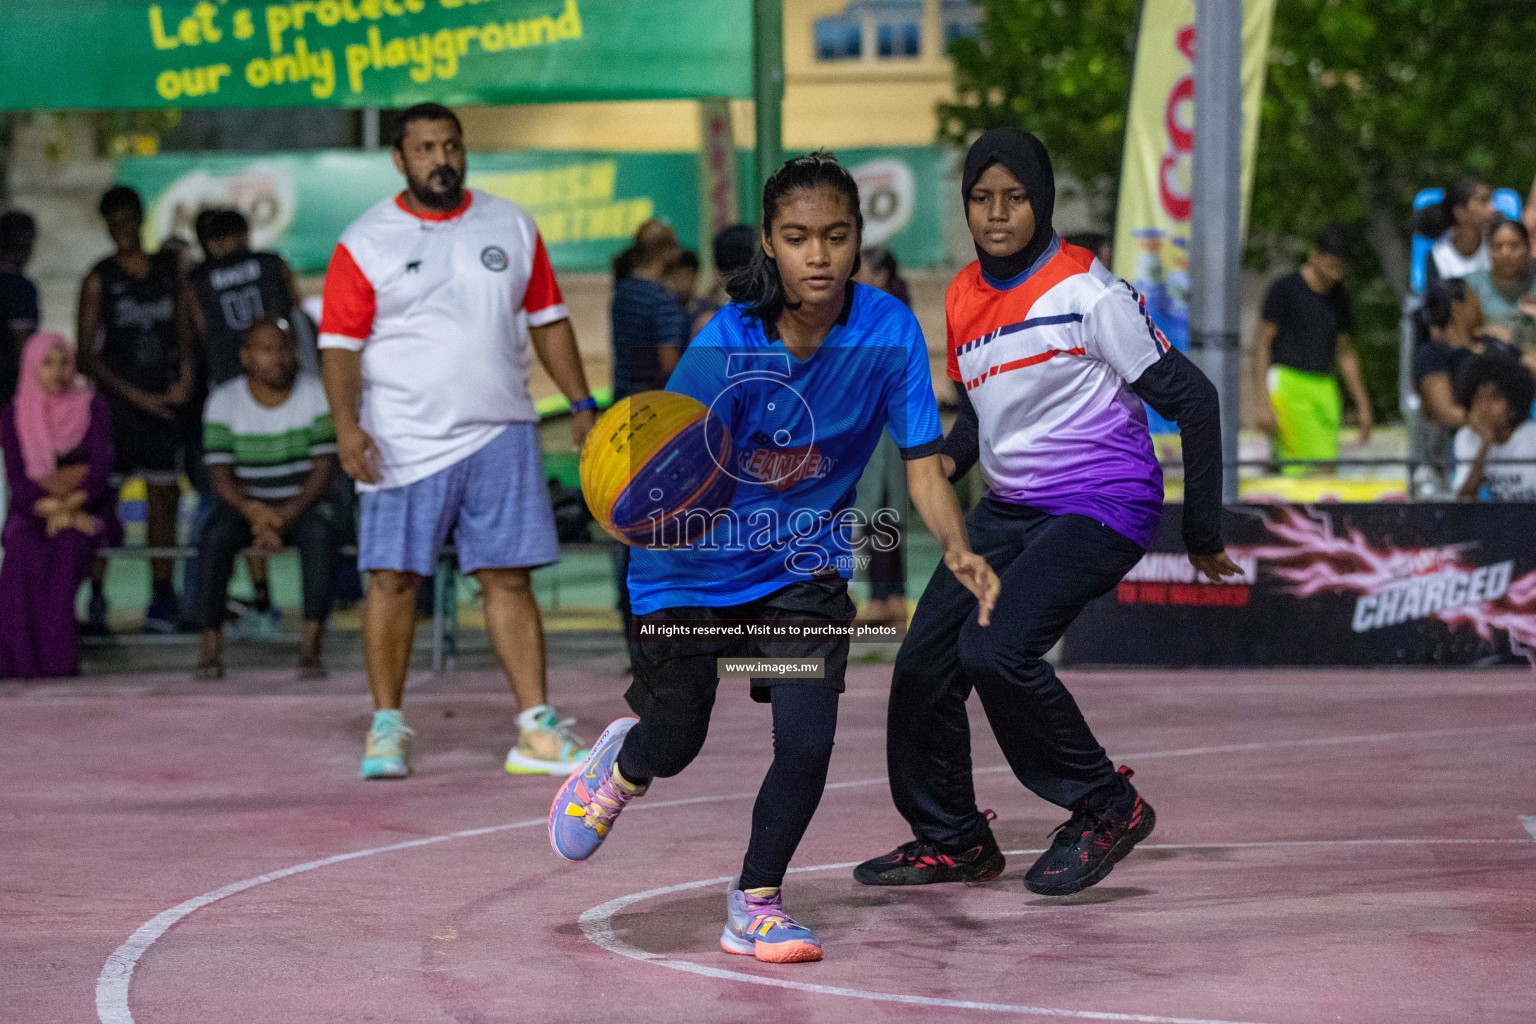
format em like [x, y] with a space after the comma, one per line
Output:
[441, 189]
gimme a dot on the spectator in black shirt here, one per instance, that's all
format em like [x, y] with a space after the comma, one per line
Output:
[19, 314]
[1303, 334]
[652, 232]
[1453, 320]
[682, 277]
[134, 344]
[232, 289]
[733, 248]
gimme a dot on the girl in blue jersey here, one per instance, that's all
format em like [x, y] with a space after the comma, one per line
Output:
[805, 369]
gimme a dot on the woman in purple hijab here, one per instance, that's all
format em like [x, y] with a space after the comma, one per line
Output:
[62, 509]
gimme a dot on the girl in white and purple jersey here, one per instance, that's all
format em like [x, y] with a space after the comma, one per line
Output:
[1052, 357]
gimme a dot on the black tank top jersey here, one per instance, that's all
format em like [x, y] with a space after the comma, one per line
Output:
[138, 338]
[232, 291]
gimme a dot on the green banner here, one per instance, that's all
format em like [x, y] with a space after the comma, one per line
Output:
[587, 204]
[118, 54]
[902, 192]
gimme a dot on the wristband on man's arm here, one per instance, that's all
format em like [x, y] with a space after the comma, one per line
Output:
[584, 404]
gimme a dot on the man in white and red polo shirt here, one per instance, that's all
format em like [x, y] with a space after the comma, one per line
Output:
[434, 301]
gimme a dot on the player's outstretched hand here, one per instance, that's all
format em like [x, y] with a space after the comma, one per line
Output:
[977, 576]
[1215, 566]
[359, 455]
[581, 426]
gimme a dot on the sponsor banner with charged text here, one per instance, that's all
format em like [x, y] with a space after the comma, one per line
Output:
[587, 203]
[117, 54]
[1377, 584]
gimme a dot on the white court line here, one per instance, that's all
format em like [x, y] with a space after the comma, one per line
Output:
[1529, 821]
[597, 926]
[1243, 748]
[116, 975]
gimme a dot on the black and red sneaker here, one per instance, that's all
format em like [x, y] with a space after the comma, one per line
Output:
[922, 863]
[1102, 830]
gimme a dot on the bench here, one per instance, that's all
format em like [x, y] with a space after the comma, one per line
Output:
[445, 605]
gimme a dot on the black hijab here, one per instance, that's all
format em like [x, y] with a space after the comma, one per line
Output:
[1023, 156]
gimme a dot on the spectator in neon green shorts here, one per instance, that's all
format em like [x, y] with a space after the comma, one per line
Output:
[1303, 335]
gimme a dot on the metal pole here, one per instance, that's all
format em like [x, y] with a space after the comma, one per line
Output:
[767, 88]
[1215, 241]
[370, 127]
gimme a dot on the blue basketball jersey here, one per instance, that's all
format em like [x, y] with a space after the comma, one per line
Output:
[801, 433]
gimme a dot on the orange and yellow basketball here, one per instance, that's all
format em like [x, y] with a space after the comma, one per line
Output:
[653, 470]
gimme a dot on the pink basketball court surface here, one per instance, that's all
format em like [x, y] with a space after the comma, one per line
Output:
[1331, 846]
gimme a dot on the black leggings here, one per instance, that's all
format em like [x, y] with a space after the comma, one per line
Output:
[804, 720]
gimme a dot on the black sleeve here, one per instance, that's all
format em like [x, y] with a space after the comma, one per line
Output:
[1428, 359]
[1176, 389]
[1346, 313]
[961, 444]
[922, 451]
[1275, 302]
[29, 309]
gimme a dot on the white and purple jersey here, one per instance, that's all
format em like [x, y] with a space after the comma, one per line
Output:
[1045, 359]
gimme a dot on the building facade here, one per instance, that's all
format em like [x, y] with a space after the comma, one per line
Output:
[858, 73]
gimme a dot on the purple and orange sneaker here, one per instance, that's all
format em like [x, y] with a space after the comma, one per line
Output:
[1104, 827]
[757, 925]
[584, 809]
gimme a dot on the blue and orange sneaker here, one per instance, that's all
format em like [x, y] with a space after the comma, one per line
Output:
[757, 925]
[584, 809]
[387, 751]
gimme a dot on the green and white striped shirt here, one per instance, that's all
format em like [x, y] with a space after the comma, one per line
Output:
[271, 449]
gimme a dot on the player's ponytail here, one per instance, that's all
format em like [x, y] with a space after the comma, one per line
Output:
[757, 286]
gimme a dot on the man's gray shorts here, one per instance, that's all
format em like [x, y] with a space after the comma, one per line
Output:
[494, 504]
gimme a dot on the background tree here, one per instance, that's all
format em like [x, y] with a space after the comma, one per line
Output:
[1365, 102]
[1062, 70]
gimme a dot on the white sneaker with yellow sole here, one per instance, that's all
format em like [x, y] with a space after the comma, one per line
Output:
[545, 744]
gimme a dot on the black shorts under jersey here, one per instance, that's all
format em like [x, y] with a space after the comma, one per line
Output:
[682, 672]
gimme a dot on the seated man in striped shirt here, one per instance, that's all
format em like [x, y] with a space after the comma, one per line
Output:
[270, 449]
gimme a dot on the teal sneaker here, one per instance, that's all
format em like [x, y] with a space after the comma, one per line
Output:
[757, 925]
[387, 753]
[545, 744]
[587, 804]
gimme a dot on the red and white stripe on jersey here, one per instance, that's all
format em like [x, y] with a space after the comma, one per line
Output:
[348, 301]
[993, 331]
[542, 300]
[440, 306]
[1141, 303]
[1046, 364]
[347, 304]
